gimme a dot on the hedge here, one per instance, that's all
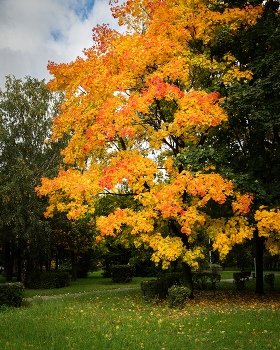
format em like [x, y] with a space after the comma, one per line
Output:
[48, 280]
[122, 273]
[200, 280]
[154, 290]
[178, 295]
[239, 280]
[269, 279]
[11, 294]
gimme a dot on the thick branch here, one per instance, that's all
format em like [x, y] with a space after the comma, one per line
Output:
[122, 143]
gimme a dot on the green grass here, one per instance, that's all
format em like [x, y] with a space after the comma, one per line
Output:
[229, 274]
[249, 285]
[122, 320]
[119, 320]
[96, 282]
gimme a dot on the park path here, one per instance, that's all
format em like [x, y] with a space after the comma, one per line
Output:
[47, 297]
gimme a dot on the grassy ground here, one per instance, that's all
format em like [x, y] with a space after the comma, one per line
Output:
[118, 320]
[95, 282]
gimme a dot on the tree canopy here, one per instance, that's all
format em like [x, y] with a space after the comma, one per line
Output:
[246, 149]
[133, 106]
[27, 153]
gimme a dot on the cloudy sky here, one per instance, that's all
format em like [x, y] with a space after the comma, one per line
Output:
[33, 32]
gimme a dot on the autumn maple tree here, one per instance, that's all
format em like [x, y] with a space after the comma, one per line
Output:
[132, 105]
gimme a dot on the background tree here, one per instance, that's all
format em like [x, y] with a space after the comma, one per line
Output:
[76, 237]
[132, 105]
[27, 109]
[246, 149]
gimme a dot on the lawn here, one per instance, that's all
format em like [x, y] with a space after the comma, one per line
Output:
[96, 282]
[122, 319]
[119, 320]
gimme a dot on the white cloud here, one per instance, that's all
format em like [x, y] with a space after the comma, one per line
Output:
[33, 32]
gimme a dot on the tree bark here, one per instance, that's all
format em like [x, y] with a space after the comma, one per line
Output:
[19, 264]
[187, 274]
[28, 267]
[8, 262]
[56, 261]
[74, 265]
[187, 278]
[259, 263]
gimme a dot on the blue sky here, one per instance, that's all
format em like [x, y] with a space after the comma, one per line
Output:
[33, 32]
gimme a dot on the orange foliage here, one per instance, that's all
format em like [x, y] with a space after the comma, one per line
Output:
[132, 95]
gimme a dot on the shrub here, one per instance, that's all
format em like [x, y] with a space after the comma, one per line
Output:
[239, 280]
[166, 281]
[122, 273]
[146, 269]
[48, 280]
[200, 280]
[269, 279]
[177, 295]
[158, 289]
[11, 294]
[150, 290]
[106, 273]
[214, 278]
[216, 268]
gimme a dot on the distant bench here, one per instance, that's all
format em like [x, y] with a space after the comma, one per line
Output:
[246, 274]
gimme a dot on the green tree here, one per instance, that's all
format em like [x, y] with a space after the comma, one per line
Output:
[246, 148]
[73, 236]
[27, 109]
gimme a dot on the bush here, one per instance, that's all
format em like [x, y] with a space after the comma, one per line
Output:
[146, 269]
[167, 280]
[269, 279]
[214, 278]
[122, 273]
[11, 294]
[200, 280]
[48, 280]
[106, 273]
[158, 289]
[178, 295]
[150, 290]
[239, 280]
[216, 268]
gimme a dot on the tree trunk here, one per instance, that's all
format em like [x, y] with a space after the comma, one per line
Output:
[259, 262]
[47, 265]
[187, 275]
[175, 264]
[56, 261]
[74, 265]
[8, 262]
[19, 264]
[28, 267]
[187, 278]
